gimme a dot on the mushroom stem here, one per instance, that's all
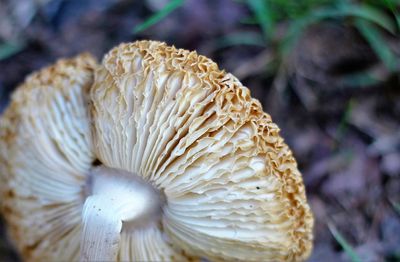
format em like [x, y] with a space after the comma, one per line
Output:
[101, 230]
[117, 197]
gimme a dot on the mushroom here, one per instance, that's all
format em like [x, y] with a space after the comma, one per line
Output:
[171, 160]
[45, 156]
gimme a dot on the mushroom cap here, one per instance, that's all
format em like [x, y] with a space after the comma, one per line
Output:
[231, 185]
[45, 154]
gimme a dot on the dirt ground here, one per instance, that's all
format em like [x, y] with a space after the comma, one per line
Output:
[345, 134]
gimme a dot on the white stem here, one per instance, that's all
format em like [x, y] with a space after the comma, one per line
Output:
[101, 230]
[117, 196]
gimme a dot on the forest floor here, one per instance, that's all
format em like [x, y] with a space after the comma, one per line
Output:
[344, 131]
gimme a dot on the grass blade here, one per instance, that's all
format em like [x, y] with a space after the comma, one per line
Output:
[249, 21]
[377, 43]
[392, 6]
[396, 206]
[341, 11]
[157, 17]
[9, 49]
[264, 16]
[358, 11]
[341, 130]
[360, 79]
[242, 38]
[370, 14]
[344, 244]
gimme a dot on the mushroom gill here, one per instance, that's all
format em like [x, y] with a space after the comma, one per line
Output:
[223, 184]
[232, 187]
[45, 154]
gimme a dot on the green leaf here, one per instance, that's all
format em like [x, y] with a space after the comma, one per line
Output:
[242, 38]
[264, 16]
[377, 43]
[344, 244]
[9, 49]
[157, 17]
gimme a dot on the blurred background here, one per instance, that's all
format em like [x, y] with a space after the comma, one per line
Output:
[328, 71]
